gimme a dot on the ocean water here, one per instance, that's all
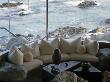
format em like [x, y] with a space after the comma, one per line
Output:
[61, 13]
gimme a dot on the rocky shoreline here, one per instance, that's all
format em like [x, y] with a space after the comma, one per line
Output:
[99, 34]
[21, 11]
[64, 32]
[86, 4]
[4, 5]
[70, 32]
[67, 32]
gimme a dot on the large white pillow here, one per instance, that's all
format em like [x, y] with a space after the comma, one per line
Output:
[26, 48]
[92, 47]
[75, 43]
[35, 51]
[81, 49]
[16, 57]
[28, 56]
[45, 48]
[69, 47]
[28, 52]
[55, 43]
[65, 46]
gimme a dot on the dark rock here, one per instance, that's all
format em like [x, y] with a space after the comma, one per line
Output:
[18, 34]
[30, 35]
[67, 32]
[86, 4]
[9, 5]
[22, 13]
[107, 21]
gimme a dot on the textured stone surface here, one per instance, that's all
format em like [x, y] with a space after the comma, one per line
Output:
[67, 76]
[10, 72]
[87, 4]
[67, 31]
[10, 5]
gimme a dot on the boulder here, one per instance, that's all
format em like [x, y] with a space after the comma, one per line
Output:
[22, 14]
[9, 5]
[86, 4]
[107, 21]
[30, 35]
[67, 31]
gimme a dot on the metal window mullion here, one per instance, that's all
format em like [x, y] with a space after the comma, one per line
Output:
[9, 14]
[47, 19]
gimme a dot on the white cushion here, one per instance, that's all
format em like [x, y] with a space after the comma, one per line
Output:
[35, 51]
[65, 46]
[75, 43]
[55, 43]
[65, 57]
[26, 48]
[81, 49]
[91, 46]
[69, 47]
[16, 57]
[48, 58]
[45, 48]
[28, 56]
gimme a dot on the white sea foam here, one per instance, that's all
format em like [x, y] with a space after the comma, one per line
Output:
[25, 12]
[98, 4]
[24, 7]
[73, 3]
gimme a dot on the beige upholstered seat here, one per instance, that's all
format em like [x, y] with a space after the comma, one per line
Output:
[33, 64]
[77, 51]
[84, 57]
[48, 58]
[65, 57]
